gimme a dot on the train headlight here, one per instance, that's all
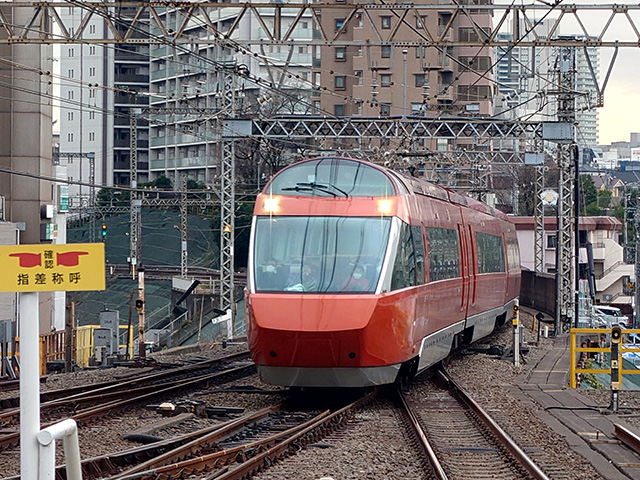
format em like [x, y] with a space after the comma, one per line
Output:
[270, 204]
[385, 206]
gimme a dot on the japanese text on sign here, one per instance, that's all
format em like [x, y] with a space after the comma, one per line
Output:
[37, 268]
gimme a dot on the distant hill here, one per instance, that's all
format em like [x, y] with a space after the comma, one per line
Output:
[160, 238]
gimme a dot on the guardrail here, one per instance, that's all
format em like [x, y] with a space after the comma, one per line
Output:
[601, 342]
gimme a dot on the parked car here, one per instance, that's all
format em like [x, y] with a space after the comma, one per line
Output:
[607, 316]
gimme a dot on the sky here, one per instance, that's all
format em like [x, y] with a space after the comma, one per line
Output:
[619, 115]
[621, 112]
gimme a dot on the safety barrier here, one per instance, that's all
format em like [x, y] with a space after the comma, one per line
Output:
[53, 346]
[606, 345]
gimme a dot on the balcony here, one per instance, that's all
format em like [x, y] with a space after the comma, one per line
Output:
[124, 143]
[131, 78]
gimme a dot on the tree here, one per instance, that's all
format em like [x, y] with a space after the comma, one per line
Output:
[588, 194]
[109, 197]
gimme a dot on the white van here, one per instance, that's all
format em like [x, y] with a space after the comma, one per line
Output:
[607, 316]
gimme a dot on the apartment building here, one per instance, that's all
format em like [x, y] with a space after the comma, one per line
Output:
[391, 80]
[612, 275]
[100, 86]
[191, 77]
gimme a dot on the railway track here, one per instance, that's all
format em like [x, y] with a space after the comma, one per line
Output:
[236, 449]
[105, 401]
[461, 440]
[95, 393]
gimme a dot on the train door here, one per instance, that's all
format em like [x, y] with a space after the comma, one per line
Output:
[465, 268]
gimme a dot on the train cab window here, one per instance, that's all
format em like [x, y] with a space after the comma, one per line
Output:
[319, 254]
[332, 177]
[443, 253]
[490, 253]
[404, 268]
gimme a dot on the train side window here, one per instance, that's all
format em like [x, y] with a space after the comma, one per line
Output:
[443, 253]
[418, 247]
[490, 253]
[404, 268]
[513, 254]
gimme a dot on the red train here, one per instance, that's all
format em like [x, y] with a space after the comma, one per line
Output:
[360, 276]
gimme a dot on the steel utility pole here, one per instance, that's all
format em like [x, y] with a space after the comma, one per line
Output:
[135, 227]
[227, 194]
[539, 219]
[566, 274]
[183, 226]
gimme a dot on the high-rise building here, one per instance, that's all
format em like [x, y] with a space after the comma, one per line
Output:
[192, 76]
[99, 88]
[393, 81]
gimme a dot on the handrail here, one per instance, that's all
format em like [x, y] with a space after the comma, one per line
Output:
[610, 269]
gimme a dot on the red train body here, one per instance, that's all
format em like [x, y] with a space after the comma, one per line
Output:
[359, 275]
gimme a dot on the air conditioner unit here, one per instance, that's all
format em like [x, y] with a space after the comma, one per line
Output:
[607, 297]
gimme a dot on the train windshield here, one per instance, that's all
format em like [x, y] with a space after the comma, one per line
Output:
[319, 254]
[332, 177]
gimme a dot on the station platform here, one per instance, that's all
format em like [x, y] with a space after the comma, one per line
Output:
[588, 429]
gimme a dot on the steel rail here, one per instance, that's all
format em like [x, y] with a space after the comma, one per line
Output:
[438, 470]
[215, 459]
[110, 387]
[492, 425]
[629, 438]
[102, 410]
[110, 463]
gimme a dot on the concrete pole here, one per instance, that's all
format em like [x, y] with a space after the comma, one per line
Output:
[29, 385]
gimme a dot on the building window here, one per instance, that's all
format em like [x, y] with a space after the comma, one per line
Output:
[420, 52]
[316, 106]
[385, 80]
[92, 93]
[420, 21]
[358, 75]
[341, 54]
[70, 116]
[71, 51]
[92, 49]
[92, 115]
[70, 73]
[417, 108]
[92, 71]
[340, 82]
[70, 94]
[385, 22]
[338, 110]
[359, 108]
[551, 242]
[420, 79]
[471, 93]
[385, 51]
[385, 109]
[92, 136]
[469, 34]
[339, 23]
[70, 137]
[305, 25]
[92, 29]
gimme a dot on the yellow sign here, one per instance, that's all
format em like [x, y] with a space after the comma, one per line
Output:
[40, 268]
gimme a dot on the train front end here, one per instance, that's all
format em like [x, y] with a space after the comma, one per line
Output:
[317, 312]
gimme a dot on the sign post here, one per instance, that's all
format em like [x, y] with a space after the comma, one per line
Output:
[29, 269]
